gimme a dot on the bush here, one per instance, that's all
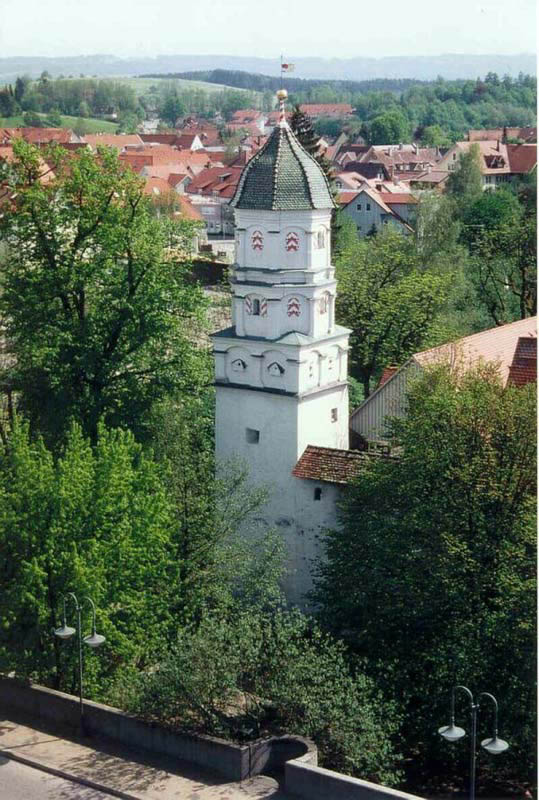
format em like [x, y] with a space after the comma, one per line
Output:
[272, 672]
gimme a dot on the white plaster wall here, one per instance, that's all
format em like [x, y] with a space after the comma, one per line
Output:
[286, 425]
[274, 227]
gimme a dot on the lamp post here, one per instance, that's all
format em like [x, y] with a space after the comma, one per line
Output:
[92, 640]
[453, 733]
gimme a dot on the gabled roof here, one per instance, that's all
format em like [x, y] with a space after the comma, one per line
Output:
[119, 141]
[331, 465]
[283, 176]
[523, 369]
[326, 108]
[397, 197]
[522, 157]
[495, 344]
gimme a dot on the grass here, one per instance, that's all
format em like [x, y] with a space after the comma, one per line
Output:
[91, 125]
[141, 85]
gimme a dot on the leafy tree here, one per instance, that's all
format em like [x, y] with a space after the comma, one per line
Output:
[388, 300]
[54, 119]
[272, 671]
[21, 84]
[434, 136]
[505, 270]
[99, 317]
[94, 521]
[465, 183]
[431, 574]
[491, 210]
[8, 103]
[391, 127]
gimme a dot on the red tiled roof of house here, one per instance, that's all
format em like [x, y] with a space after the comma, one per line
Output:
[495, 344]
[386, 375]
[396, 197]
[522, 157]
[326, 108]
[343, 198]
[187, 209]
[159, 138]
[214, 179]
[119, 141]
[247, 115]
[331, 465]
[176, 177]
[186, 140]
[156, 186]
[523, 369]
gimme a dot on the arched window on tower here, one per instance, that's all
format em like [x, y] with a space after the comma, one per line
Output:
[321, 239]
[256, 307]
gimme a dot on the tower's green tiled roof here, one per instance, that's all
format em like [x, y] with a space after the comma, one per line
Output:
[282, 176]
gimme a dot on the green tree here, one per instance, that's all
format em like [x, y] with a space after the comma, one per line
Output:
[32, 120]
[388, 300]
[260, 671]
[99, 317]
[465, 183]
[97, 521]
[491, 210]
[391, 127]
[434, 136]
[431, 574]
[172, 108]
[504, 270]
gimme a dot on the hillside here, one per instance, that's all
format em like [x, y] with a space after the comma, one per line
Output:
[449, 66]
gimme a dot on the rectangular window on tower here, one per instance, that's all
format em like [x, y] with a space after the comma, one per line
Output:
[252, 436]
[334, 415]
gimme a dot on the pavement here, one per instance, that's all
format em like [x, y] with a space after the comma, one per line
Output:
[117, 771]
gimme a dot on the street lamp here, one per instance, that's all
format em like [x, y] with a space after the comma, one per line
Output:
[93, 640]
[453, 733]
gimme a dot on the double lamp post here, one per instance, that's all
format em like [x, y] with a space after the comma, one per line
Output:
[92, 640]
[452, 733]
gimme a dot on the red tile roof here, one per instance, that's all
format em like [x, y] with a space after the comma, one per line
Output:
[522, 157]
[331, 465]
[523, 369]
[386, 375]
[395, 197]
[119, 141]
[320, 109]
[495, 344]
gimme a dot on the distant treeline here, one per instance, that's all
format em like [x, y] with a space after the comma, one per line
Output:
[263, 83]
[80, 97]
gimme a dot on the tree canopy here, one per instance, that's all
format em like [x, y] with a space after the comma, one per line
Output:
[99, 312]
[431, 574]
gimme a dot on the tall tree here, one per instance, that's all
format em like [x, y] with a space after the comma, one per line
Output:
[100, 318]
[465, 183]
[388, 300]
[433, 566]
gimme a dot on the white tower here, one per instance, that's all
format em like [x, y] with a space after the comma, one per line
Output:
[281, 369]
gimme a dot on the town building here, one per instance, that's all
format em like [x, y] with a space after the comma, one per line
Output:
[281, 368]
[370, 209]
[512, 346]
[500, 163]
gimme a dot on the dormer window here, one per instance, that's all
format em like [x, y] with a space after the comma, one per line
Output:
[276, 369]
[239, 365]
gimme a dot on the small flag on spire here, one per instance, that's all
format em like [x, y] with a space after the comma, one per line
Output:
[288, 67]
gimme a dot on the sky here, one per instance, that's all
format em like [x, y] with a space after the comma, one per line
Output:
[266, 28]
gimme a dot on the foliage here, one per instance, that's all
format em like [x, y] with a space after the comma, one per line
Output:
[505, 269]
[491, 210]
[433, 566]
[95, 521]
[388, 301]
[255, 672]
[391, 127]
[465, 183]
[100, 317]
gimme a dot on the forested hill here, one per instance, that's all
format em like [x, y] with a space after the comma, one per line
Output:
[261, 83]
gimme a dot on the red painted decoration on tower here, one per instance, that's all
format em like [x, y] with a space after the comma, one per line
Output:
[257, 240]
[294, 307]
[292, 242]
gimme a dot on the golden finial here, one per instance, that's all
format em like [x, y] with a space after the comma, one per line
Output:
[282, 94]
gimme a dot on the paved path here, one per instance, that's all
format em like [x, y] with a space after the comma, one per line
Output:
[120, 772]
[19, 782]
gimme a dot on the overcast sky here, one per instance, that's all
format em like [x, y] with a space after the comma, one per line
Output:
[266, 28]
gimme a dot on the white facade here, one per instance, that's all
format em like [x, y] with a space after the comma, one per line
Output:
[281, 373]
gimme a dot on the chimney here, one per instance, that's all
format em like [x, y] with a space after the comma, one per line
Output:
[498, 145]
[400, 145]
[416, 148]
[391, 171]
[429, 168]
